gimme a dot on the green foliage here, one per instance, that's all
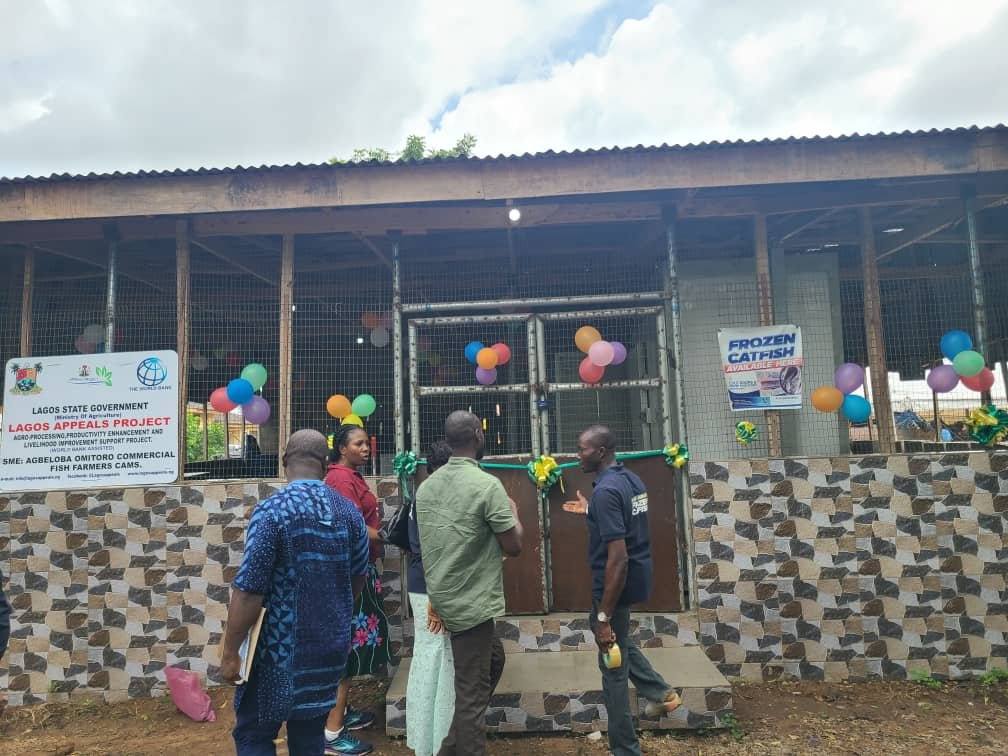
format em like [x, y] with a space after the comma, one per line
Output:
[216, 440]
[415, 149]
[105, 374]
[734, 726]
[925, 679]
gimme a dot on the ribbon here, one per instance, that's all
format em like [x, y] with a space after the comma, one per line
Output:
[676, 455]
[988, 425]
[545, 472]
[405, 467]
[745, 432]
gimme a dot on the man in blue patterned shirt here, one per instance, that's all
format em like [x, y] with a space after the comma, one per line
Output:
[306, 552]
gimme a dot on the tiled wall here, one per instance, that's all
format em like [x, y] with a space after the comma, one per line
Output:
[108, 587]
[853, 567]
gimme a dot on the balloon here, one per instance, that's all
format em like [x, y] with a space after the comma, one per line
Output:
[486, 358]
[82, 345]
[486, 376]
[379, 337]
[94, 333]
[370, 320]
[256, 410]
[220, 353]
[255, 374]
[954, 342]
[472, 349]
[827, 399]
[199, 362]
[220, 402]
[589, 372]
[338, 406]
[503, 353]
[619, 353]
[585, 337]
[239, 391]
[352, 420]
[942, 379]
[982, 381]
[601, 353]
[968, 363]
[856, 408]
[849, 377]
[364, 405]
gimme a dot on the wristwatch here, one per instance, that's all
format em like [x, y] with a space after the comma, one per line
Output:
[602, 617]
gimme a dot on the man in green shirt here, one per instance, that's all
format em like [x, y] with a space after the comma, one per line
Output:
[467, 522]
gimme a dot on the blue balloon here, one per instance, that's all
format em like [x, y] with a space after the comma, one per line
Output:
[954, 342]
[239, 391]
[472, 349]
[856, 408]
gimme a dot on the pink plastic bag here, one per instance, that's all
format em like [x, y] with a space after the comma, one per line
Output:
[188, 695]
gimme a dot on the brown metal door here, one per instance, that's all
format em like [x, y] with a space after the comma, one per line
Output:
[568, 541]
[524, 575]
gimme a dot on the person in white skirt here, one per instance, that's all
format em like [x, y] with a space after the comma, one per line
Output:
[430, 691]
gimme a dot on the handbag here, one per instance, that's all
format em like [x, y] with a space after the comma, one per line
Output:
[396, 530]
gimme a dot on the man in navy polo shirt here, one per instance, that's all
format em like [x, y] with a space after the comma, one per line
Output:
[619, 553]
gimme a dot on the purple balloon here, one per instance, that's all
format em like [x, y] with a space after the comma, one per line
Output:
[849, 377]
[943, 379]
[256, 410]
[485, 376]
[619, 353]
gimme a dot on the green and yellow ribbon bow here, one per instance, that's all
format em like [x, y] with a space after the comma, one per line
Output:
[676, 455]
[545, 472]
[405, 467]
[988, 425]
[745, 432]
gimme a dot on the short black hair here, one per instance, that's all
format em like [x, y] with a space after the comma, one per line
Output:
[340, 439]
[460, 430]
[602, 435]
[438, 455]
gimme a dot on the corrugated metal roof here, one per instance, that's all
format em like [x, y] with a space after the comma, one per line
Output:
[662, 148]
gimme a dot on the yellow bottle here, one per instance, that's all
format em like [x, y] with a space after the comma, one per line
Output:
[613, 658]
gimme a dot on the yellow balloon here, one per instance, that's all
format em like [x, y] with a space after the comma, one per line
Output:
[487, 358]
[352, 420]
[585, 337]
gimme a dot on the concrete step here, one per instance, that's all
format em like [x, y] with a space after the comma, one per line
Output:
[559, 692]
[565, 631]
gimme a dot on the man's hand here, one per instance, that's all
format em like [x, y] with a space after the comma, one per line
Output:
[434, 623]
[230, 668]
[604, 636]
[578, 506]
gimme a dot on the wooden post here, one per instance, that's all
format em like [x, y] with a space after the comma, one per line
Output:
[874, 339]
[182, 267]
[286, 345]
[26, 302]
[766, 318]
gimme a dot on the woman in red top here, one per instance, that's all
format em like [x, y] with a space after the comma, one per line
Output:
[369, 649]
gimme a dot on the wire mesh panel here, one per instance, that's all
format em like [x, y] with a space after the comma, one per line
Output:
[634, 413]
[11, 289]
[343, 345]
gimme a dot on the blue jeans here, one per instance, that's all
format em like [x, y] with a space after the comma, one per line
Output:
[622, 734]
[305, 737]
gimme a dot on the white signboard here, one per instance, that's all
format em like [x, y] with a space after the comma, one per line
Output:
[762, 367]
[90, 420]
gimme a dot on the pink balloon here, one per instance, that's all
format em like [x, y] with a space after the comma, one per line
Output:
[943, 379]
[220, 402]
[589, 372]
[982, 381]
[601, 353]
[619, 353]
[256, 410]
[82, 345]
[486, 376]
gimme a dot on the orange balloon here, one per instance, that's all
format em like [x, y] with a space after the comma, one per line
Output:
[338, 406]
[827, 399]
[370, 320]
[487, 358]
[585, 337]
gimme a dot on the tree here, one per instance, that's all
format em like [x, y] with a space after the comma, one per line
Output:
[415, 149]
[216, 439]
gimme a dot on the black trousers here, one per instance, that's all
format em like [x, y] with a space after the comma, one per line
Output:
[479, 664]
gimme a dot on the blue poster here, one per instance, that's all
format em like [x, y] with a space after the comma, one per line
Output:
[762, 367]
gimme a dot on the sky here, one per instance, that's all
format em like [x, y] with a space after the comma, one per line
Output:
[108, 85]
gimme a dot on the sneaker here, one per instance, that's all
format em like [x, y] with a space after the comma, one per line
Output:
[357, 720]
[346, 743]
[654, 709]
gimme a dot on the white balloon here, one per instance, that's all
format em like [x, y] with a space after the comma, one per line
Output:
[379, 337]
[94, 333]
[199, 361]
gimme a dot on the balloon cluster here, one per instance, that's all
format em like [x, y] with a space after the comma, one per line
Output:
[487, 359]
[600, 353]
[967, 366]
[378, 325]
[847, 379]
[92, 340]
[351, 413]
[242, 392]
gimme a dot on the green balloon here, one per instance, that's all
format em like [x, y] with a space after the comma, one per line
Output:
[255, 374]
[364, 405]
[968, 363]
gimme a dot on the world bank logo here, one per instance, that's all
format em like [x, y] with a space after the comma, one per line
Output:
[151, 372]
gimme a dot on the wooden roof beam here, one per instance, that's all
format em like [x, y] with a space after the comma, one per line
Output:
[942, 218]
[232, 260]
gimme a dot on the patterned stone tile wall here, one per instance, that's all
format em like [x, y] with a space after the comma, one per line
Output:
[853, 568]
[109, 587]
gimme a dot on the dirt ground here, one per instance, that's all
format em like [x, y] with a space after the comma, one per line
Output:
[787, 718]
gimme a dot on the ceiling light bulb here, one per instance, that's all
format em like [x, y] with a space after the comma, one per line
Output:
[893, 230]
[514, 215]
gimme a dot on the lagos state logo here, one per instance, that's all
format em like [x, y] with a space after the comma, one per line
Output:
[26, 379]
